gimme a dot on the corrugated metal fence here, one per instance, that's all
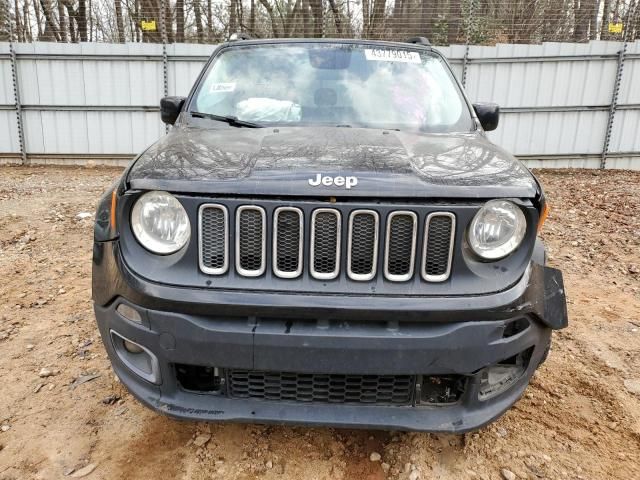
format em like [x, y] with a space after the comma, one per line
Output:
[69, 103]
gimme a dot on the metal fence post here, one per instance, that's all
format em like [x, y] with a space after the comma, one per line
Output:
[165, 69]
[16, 96]
[469, 31]
[16, 87]
[616, 85]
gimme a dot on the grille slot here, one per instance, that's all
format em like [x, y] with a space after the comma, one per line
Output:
[321, 388]
[325, 243]
[250, 241]
[438, 246]
[362, 256]
[214, 239]
[400, 246]
[287, 242]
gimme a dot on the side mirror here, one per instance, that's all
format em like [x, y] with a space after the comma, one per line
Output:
[488, 114]
[170, 109]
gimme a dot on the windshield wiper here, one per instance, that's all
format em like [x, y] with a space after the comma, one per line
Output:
[231, 120]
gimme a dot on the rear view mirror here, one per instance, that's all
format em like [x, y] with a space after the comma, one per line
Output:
[330, 58]
[488, 114]
[170, 109]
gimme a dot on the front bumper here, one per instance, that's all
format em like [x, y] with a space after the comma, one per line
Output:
[331, 335]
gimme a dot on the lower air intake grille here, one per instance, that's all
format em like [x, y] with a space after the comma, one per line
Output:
[322, 388]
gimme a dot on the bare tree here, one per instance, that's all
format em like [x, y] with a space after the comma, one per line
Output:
[197, 12]
[288, 13]
[165, 8]
[337, 16]
[233, 16]
[50, 31]
[455, 21]
[19, 32]
[275, 30]
[71, 23]
[373, 17]
[318, 17]
[442, 21]
[119, 23]
[635, 22]
[27, 33]
[252, 16]
[179, 21]
[584, 11]
[63, 27]
[81, 19]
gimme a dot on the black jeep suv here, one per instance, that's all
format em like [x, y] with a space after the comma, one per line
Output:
[326, 236]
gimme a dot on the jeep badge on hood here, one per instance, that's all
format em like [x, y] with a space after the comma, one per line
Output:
[338, 181]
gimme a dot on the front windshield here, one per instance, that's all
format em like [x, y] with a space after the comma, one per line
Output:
[334, 84]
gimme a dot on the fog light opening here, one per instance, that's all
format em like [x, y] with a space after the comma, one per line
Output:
[132, 347]
[129, 313]
[515, 327]
[140, 360]
[501, 376]
[200, 378]
[441, 389]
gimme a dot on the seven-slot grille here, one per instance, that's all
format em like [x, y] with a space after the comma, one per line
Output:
[321, 388]
[284, 235]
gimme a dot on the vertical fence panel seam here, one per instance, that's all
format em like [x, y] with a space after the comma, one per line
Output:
[465, 60]
[18, 103]
[468, 28]
[613, 106]
[165, 66]
[16, 88]
[616, 87]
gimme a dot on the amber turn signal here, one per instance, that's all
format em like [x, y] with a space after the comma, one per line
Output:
[543, 216]
[112, 219]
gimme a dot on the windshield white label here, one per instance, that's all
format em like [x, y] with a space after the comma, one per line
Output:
[222, 87]
[390, 55]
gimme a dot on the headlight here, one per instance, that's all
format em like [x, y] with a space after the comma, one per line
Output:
[160, 223]
[497, 229]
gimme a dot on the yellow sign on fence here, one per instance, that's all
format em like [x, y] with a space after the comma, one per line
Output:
[148, 25]
[615, 28]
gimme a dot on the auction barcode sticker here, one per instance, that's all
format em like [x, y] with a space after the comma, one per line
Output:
[222, 87]
[390, 55]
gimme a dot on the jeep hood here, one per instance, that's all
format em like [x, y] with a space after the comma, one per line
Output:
[280, 161]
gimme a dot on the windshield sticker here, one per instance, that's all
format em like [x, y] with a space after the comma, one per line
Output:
[222, 87]
[389, 55]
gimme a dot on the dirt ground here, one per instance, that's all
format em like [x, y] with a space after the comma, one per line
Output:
[62, 411]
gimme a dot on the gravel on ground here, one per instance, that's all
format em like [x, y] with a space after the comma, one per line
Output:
[63, 413]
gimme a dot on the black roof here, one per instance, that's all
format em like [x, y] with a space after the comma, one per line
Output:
[354, 41]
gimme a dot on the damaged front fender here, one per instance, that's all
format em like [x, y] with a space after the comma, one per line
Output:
[555, 302]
